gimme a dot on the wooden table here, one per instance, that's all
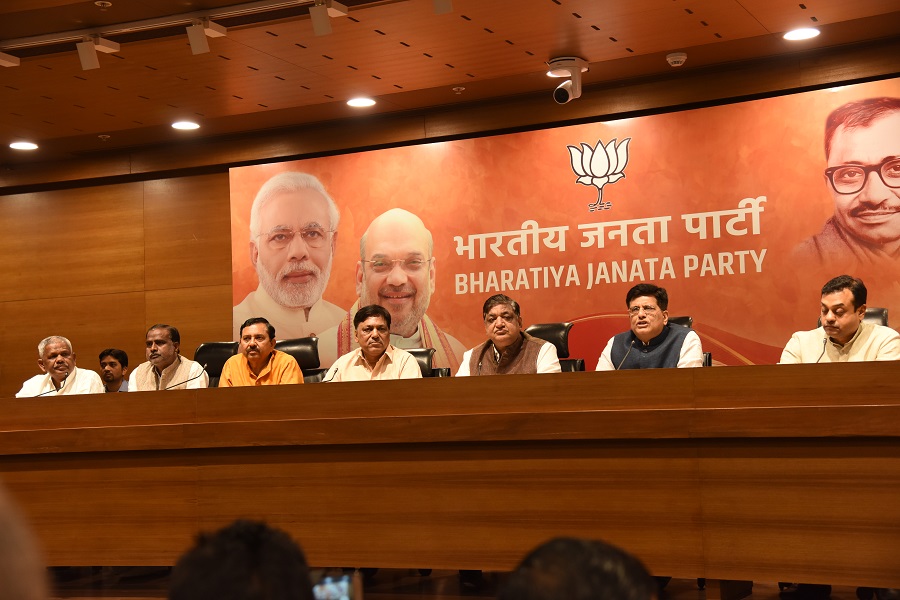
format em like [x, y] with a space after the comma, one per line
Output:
[773, 473]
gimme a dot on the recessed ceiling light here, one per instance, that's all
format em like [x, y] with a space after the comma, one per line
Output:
[804, 33]
[23, 146]
[360, 102]
[185, 125]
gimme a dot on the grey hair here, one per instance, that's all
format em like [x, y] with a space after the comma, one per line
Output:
[285, 183]
[49, 340]
[362, 240]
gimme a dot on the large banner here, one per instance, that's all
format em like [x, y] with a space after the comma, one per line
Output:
[736, 210]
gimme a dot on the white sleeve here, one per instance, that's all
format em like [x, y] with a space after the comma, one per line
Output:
[95, 384]
[464, 364]
[605, 362]
[201, 381]
[691, 351]
[792, 353]
[547, 360]
[132, 381]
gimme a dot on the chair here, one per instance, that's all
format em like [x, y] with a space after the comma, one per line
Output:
[686, 321]
[212, 355]
[558, 335]
[424, 356]
[874, 314]
[306, 352]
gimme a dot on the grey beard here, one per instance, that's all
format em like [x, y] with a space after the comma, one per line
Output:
[295, 295]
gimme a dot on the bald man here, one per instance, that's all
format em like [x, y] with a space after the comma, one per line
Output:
[396, 270]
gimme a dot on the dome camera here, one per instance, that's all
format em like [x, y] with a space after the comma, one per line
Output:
[564, 92]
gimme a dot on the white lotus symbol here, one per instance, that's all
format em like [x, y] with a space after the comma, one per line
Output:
[600, 165]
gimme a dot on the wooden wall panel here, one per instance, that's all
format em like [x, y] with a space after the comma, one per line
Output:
[187, 224]
[201, 314]
[76, 242]
[92, 323]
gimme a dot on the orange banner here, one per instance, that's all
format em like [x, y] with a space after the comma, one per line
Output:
[729, 208]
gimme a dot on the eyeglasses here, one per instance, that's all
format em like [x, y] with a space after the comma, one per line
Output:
[849, 179]
[410, 265]
[636, 310]
[281, 237]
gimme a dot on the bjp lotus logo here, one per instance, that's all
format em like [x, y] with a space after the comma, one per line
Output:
[600, 165]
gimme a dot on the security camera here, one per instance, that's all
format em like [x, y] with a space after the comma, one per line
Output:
[571, 67]
[564, 92]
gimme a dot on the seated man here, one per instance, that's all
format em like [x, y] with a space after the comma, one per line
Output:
[165, 368]
[574, 569]
[247, 559]
[114, 369]
[651, 343]
[375, 358]
[257, 361]
[509, 349]
[843, 336]
[56, 360]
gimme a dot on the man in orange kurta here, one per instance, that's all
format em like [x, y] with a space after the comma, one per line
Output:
[257, 361]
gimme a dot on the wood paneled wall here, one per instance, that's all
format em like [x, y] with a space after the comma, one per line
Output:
[139, 237]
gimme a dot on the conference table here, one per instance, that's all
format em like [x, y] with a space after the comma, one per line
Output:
[767, 473]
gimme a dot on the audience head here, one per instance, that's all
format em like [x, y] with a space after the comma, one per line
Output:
[22, 572]
[56, 357]
[648, 310]
[576, 569]
[247, 560]
[843, 307]
[502, 321]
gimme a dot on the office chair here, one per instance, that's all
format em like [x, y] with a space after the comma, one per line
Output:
[306, 352]
[214, 355]
[424, 356]
[558, 335]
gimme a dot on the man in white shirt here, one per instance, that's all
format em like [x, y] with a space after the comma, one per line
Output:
[375, 358]
[56, 359]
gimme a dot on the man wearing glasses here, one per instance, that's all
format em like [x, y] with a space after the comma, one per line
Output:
[293, 229]
[862, 150]
[651, 343]
[396, 270]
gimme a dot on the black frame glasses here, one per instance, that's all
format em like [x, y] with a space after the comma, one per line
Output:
[885, 169]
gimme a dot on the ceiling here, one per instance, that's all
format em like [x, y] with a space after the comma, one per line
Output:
[271, 71]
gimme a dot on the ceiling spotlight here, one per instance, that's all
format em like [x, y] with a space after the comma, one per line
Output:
[23, 146]
[442, 7]
[804, 33]
[360, 102]
[321, 12]
[185, 125]
[567, 66]
[87, 51]
[8, 60]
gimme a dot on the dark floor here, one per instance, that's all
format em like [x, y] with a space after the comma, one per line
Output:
[388, 584]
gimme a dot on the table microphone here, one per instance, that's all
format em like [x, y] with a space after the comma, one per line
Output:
[62, 383]
[824, 345]
[626, 355]
[187, 380]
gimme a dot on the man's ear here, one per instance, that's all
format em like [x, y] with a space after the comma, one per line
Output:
[665, 314]
[254, 253]
[359, 279]
[177, 346]
[41, 365]
[861, 311]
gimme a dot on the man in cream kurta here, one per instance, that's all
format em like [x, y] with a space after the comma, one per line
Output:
[165, 368]
[61, 377]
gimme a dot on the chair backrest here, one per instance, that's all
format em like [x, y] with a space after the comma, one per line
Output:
[214, 355]
[555, 333]
[683, 321]
[304, 350]
[571, 365]
[874, 314]
[424, 356]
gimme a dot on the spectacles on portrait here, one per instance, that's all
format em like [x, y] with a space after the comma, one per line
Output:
[281, 237]
[636, 310]
[410, 265]
[850, 179]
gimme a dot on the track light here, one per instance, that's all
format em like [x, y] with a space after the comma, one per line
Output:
[87, 51]
[321, 12]
[8, 60]
[201, 29]
[442, 7]
[567, 66]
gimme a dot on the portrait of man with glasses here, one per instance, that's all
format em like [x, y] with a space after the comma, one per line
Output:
[862, 152]
[293, 231]
[396, 270]
[652, 342]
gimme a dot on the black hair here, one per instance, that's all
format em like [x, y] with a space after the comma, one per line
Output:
[117, 354]
[497, 300]
[372, 310]
[173, 332]
[648, 289]
[255, 320]
[846, 282]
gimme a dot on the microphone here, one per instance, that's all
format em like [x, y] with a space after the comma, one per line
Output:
[187, 380]
[61, 384]
[824, 345]
[626, 355]
[333, 375]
